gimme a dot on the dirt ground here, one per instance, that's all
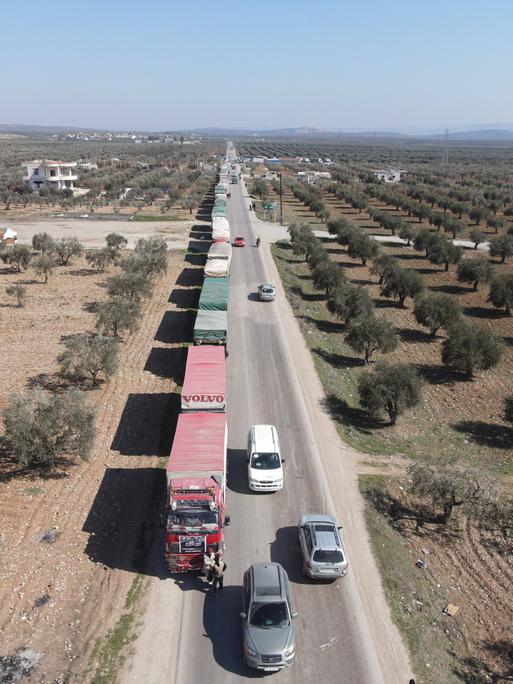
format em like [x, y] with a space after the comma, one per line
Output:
[71, 543]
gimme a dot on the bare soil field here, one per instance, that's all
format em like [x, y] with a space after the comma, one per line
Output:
[73, 542]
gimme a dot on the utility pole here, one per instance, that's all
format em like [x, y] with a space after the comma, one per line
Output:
[281, 202]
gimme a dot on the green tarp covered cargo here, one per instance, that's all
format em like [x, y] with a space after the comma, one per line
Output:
[210, 327]
[214, 294]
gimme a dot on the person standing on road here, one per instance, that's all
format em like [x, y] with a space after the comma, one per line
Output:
[209, 560]
[218, 571]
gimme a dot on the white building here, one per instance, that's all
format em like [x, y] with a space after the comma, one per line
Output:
[311, 176]
[55, 174]
[389, 175]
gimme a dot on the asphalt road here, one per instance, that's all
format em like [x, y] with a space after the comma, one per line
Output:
[189, 636]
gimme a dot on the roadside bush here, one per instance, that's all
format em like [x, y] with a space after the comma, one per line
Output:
[435, 310]
[88, 355]
[40, 428]
[17, 291]
[68, 248]
[369, 333]
[501, 291]
[117, 314]
[474, 271]
[390, 388]
[468, 348]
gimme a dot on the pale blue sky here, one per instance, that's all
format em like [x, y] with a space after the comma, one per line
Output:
[163, 64]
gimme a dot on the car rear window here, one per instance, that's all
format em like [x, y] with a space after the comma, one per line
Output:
[321, 556]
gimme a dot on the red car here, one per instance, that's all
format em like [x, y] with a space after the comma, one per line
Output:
[239, 241]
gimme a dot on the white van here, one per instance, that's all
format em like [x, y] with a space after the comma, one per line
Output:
[265, 464]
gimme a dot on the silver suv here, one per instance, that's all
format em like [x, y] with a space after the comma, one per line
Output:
[324, 556]
[266, 292]
[267, 618]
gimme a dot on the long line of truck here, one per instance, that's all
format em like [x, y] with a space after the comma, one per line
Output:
[196, 469]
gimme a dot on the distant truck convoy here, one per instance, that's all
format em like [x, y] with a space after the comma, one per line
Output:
[196, 489]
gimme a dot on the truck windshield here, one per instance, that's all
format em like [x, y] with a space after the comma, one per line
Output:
[265, 461]
[193, 518]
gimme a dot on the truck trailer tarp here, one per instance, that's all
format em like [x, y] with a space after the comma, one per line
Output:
[199, 447]
[217, 268]
[204, 385]
[214, 294]
[210, 327]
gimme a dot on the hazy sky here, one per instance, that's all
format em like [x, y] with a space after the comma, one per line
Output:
[163, 64]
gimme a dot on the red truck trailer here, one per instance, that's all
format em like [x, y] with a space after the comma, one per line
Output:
[196, 488]
[204, 385]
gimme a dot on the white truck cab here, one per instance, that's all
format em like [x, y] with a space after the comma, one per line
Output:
[265, 464]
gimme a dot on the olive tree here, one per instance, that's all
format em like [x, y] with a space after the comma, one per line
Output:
[41, 427]
[390, 388]
[18, 256]
[44, 264]
[326, 276]
[368, 333]
[131, 285]
[18, 292]
[68, 248]
[116, 241]
[100, 259]
[383, 266]
[117, 314]
[501, 291]
[435, 310]
[88, 355]
[501, 246]
[348, 301]
[43, 242]
[468, 348]
[474, 271]
[361, 246]
[402, 283]
[477, 236]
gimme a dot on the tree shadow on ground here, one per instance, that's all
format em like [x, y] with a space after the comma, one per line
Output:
[508, 341]
[285, 549]
[486, 434]
[54, 382]
[383, 303]
[412, 335]
[476, 669]
[295, 289]
[450, 289]
[167, 363]
[123, 520]
[147, 425]
[438, 375]
[483, 312]
[185, 299]
[324, 326]
[362, 281]
[91, 307]
[10, 468]
[176, 326]
[339, 360]
[350, 415]
[82, 272]
[190, 277]
[409, 256]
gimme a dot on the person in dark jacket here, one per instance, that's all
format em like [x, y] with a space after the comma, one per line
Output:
[218, 570]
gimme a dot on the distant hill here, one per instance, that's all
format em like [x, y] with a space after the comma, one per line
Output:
[498, 134]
